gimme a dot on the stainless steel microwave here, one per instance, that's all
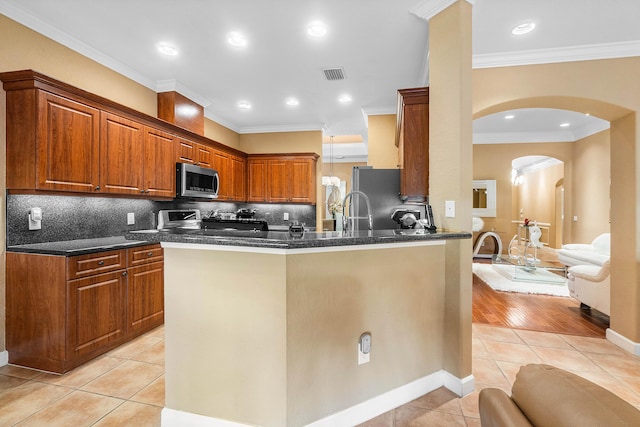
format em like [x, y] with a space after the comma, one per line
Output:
[196, 182]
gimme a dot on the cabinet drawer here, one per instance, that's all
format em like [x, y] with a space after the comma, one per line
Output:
[102, 262]
[145, 254]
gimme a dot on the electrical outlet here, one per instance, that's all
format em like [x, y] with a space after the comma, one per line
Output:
[450, 208]
[131, 218]
[364, 348]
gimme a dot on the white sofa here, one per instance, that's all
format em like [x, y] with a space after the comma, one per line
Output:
[590, 284]
[596, 253]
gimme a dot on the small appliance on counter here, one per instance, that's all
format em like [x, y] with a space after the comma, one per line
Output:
[407, 218]
[296, 229]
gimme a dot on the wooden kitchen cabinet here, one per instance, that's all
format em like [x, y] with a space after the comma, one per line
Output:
[292, 179]
[145, 290]
[412, 139]
[47, 133]
[232, 172]
[136, 159]
[63, 311]
[239, 178]
[287, 178]
[256, 180]
[194, 153]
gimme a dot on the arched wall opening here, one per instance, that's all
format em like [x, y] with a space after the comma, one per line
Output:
[572, 86]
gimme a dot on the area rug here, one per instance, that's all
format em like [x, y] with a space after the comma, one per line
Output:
[498, 282]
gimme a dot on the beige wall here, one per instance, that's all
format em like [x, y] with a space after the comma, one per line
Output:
[585, 175]
[605, 89]
[290, 326]
[382, 150]
[450, 169]
[536, 200]
[591, 196]
[493, 161]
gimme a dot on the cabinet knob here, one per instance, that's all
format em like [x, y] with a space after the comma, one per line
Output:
[149, 253]
[101, 262]
[124, 273]
[97, 188]
[142, 191]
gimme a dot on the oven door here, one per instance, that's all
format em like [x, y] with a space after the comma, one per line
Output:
[196, 182]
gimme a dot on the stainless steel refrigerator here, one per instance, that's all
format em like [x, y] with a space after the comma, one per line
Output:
[382, 187]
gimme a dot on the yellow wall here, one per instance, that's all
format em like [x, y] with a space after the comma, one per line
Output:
[382, 150]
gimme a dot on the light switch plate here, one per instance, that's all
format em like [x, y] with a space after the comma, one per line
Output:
[131, 218]
[450, 208]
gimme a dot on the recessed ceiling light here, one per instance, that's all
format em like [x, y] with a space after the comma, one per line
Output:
[317, 29]
[244, 105]
[345, 99]
[523, 28]
[565, 125]
[167, 49]
[292, 102]
[236, 39]
[509, 116]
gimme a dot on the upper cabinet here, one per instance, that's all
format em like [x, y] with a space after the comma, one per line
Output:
[63, 139]
[136, 159]
[45, 135]
[192, 152]
[412, 139]
[285, 178]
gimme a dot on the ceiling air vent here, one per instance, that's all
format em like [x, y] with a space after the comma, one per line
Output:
[332, 74]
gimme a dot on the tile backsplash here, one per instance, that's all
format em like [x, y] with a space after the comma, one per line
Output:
[74, 217]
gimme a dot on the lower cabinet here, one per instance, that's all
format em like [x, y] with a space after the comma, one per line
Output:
[64, 311]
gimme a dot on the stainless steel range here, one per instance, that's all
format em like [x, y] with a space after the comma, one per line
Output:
[181, 218]
[191, 219]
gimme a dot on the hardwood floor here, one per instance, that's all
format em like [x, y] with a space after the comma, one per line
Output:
[534, 312]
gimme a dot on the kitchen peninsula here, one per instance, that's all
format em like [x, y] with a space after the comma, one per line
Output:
[263, 329]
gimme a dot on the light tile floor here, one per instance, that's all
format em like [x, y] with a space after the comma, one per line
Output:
[125, 387]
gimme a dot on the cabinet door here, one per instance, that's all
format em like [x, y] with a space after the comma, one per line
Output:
[121, 155]
[204, 156]
[221, 164]
[145, 299]
[159, 163]
[277, 181]
[96, 316]
[302, 181]
[257, 180]
[186, 151]
[239, 177]
[68, 145]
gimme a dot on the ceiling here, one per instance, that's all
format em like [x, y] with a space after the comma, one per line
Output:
[380, 45]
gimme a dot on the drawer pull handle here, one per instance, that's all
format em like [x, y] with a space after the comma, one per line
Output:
[149, 253]
[100, 262]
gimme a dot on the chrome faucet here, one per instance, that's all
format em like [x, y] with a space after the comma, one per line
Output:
[345, 218]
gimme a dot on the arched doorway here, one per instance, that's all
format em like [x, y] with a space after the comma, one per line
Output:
[534, 180]
[524, 91]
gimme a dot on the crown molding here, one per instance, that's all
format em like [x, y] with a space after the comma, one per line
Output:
[29, 21]
[174, 85]
[561, 54]
[427, 9]
[281, 128]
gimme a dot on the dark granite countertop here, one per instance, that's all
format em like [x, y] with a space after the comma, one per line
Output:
[280, 240]
[78, 247]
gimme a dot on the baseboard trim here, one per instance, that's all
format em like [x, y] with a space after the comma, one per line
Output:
[623, 342]
[4, 358]
[351, 416]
